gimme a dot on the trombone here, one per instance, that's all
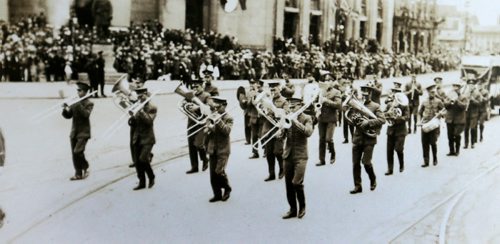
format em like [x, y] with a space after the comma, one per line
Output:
[67, 102]
[214, 118]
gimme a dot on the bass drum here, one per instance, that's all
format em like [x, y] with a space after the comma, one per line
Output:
[431, 125]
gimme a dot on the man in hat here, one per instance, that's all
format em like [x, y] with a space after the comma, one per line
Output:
[255, 120]
[432, 107]
[295, 156]
[219, 148]
[143, 138]
[196, 141]
[274, 148]
[396, 131]
[364, 140]
[100, 74]
[349, 90]
[483, 109]
[472, 114]
[289, 89]
[413, 90]
[80, 130]
[439, 88]
[377, 90]
[455, 104]
[133, 97]
[331, 102]
[207, 78]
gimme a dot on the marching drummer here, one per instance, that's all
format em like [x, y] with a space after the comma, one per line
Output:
[429, 109]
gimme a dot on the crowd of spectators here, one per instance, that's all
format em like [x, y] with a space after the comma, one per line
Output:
[30, 51]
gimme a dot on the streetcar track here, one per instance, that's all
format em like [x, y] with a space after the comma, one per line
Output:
[97, 189]
[457, 195]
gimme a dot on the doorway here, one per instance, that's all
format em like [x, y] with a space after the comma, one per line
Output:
[290, 25]
[194, 15]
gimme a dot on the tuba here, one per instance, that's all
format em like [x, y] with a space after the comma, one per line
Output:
[393, 111]
[190, 100]
[123, 98]
[356, 112]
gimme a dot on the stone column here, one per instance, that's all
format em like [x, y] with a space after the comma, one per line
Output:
[173, 14]
[4, 10]
[280, 18]
[121, 12]
[372, 19]
[305, 18]
[387, 24]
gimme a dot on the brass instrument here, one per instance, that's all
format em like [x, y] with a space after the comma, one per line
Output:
[136, 107]
[324, 87]
[393, 111]
[123, 96]
[192, 100]
[356, 113]
[212, 119]
[241, 95]
[55, 108]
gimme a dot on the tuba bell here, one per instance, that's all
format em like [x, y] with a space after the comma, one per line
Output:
[356, 112]
[190, 100]
[393, 111]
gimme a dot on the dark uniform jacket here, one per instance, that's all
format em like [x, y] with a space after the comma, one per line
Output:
[219, 141]
[484, 103]
[332, 101]
[251, 110]
[455, 113]
[416, 93]
[430, 108]
[475, 102]
[212, 90]
[359, 137]
[296, 138]
[398, 127]
[80, 112]
[143, 123]
[288, 90]
[377, 92]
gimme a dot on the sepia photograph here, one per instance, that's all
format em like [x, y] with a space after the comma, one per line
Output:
[249, 121]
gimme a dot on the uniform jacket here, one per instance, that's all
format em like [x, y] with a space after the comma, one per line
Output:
[80, 112]
[143, 123]
[288, 90]
[359, 137]
[430, 108]
[331, 104]
[417, 92]
[219, 141]
[203, 96]
[455, 113]
[484, 104]
[251, 110]
[212, 90]
[398, 127]
[279, 102]
[475, 102]
[377, 92]
[296, 138]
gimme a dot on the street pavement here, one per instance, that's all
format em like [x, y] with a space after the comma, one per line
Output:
[43, 206]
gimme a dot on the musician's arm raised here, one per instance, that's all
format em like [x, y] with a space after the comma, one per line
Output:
[306, 127]
[147, 117]
[225, 126]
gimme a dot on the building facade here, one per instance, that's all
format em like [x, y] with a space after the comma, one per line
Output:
[257, 22]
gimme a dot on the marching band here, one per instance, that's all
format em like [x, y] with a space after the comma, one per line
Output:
[279, 119]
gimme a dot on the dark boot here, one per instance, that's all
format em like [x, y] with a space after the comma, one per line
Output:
[322, 153]
[457, 147]
[301, 198]
[401, 159]
[452, 148]
[331, 148]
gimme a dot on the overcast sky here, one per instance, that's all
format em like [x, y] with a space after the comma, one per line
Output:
[487, 11]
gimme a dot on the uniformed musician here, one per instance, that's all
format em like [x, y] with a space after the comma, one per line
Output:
[196, 143]
[363, 143]
[349, 90]
[396, 132]
[432, 107]
[472, 114]
[413, 90]
[143, 139]
[209, 87]
[439, 88]
[295, 156]
[483, 109]
[455, 104]
[255, 120]
[331, 103]
[80, 130]
[288, 89]
[218, 148]
[274, 148]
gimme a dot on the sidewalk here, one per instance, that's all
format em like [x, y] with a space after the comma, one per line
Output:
[56, 90]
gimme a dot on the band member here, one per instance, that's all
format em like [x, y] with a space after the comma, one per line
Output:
[143, 139]
[483, 109]
[289, 89]
[245, 104]
[349, 90]
[295, 156]
[80, 130]
[377, 90]
[413, 90]
[455, 104]
[432, 107]
[274, 148]
[255, 120]
[219, 148]
[330, 102]
[196, 142]
[208, 78]
[439, 88]
[396, 131]
[136, 83]
[398, 85]
[364, 142]
[472, 114]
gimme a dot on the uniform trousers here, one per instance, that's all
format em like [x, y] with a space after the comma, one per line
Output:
[218, 181]
[454, 131]
[429, 139]
[326, 130]
[395, 143]
[80, 163]
[143, 158]
[362, 154]
[294, 180]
